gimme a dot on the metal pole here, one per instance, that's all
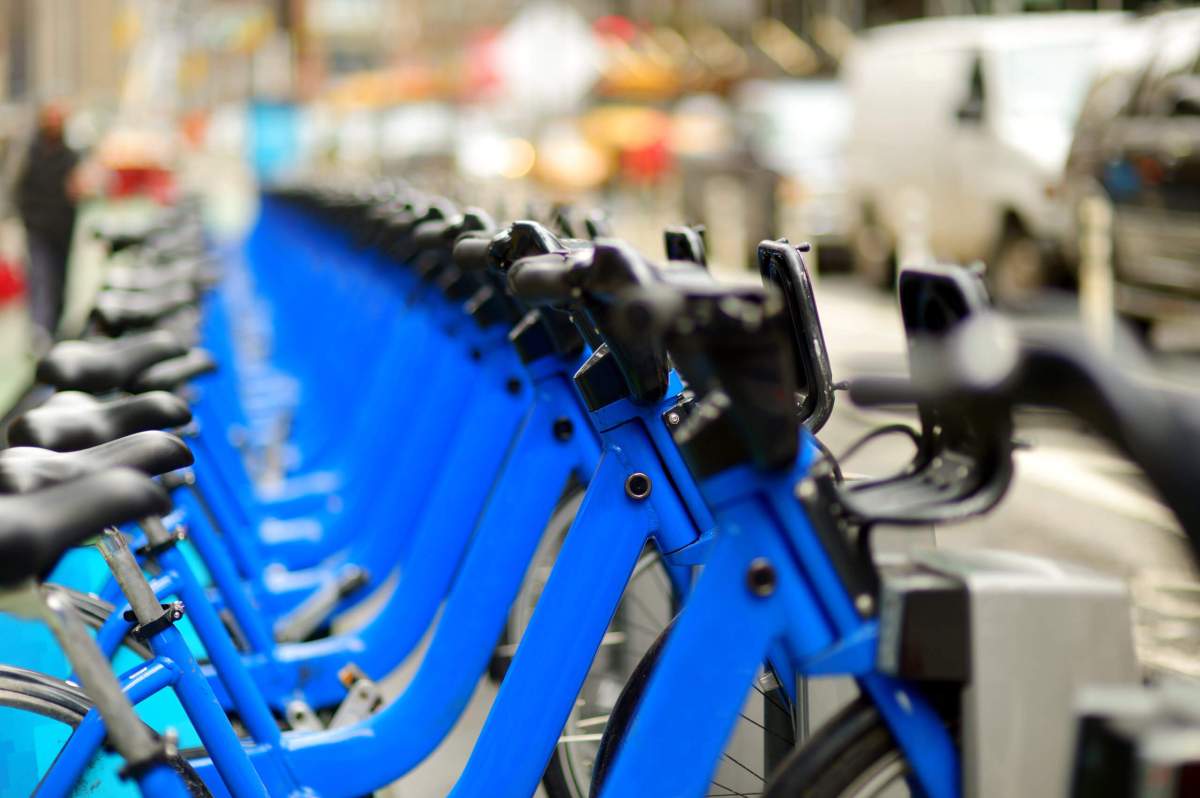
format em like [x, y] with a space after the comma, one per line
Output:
[1096, 269]
[914, 245]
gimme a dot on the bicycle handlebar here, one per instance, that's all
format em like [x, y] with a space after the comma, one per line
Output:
[554, 278]
[989, 360]
[880, 391]
[471, 252]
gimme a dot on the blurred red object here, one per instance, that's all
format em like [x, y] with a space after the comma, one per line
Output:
[621, 28]
[481, 79]
[12, 281]
[647, 163]
[194, 126]
[152, 181]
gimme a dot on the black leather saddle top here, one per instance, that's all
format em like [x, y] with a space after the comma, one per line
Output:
[71, 420]
[170, 374]
[36, 529]
[106, 364]
[120, 310]
[26, 468]
[155, 277]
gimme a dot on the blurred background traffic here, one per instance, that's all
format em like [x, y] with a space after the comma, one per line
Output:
[1052, 141]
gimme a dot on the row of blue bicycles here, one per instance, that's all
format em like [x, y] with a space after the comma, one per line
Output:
[390, 428]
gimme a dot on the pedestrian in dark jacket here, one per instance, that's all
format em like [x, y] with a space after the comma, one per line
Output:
[48, 211]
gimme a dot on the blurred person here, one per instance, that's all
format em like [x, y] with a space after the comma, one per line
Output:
[46, 204]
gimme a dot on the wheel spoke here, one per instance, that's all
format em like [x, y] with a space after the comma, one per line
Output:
[776, 735]
[730, 792]
[734, 760]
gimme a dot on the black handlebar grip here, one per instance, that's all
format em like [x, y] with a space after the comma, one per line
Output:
[877, 391]
[431, 234]
[472, 220]
[545, 279]
[471, 253]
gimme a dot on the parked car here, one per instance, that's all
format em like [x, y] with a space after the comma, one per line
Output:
[960, 132]
[1138, 145]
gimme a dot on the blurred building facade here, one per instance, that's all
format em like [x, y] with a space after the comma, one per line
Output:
[79, 48]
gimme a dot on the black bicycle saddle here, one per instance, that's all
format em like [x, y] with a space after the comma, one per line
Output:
[151, 277]
[120, 310]
[167, 375]
[118, 240]
[37, 529]
[71, 420]
[26, 468]
[100, 365]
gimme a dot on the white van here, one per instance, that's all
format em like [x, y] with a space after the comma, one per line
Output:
[961, 127]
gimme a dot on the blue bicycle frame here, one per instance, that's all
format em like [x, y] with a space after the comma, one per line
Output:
[474, 613]
[726, 629]
[540, 687]
[173, 666]
[483, 436]
[285, 672]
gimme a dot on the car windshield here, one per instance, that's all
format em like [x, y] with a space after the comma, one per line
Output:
[1045, 81]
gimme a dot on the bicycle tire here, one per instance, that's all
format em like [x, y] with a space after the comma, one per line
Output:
[853, 755]
[552, 537]
[625, 709]
[561, 778]
[63, 702]
[622, 714]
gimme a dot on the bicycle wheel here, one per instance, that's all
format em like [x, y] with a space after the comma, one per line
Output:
[38, 714]
[646, 607]
[763, 735]
[617, 675]
[535, 578]
[852, 756]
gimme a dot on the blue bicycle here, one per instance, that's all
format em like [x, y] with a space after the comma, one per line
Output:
[686, 408]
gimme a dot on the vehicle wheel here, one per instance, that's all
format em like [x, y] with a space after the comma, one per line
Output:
[62, 704]
[1019, 270]
[764, 733]
[851, 756]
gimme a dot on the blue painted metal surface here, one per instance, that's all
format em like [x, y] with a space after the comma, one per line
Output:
[726, 631]
[451, 495]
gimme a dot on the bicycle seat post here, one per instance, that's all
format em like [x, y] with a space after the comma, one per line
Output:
[132, 738]
[156, 623]
[142, 600]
